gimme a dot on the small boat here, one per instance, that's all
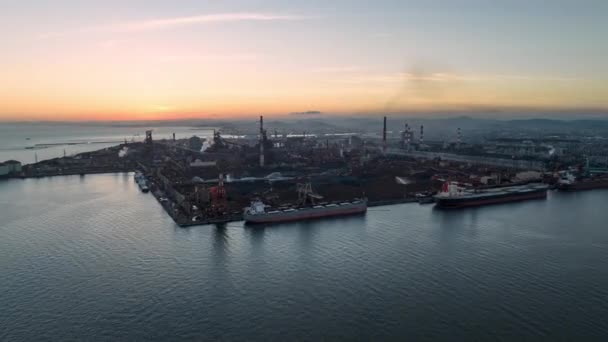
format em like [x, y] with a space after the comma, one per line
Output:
[137, 176]
[140, 179]
[426, 200]
[425, 197]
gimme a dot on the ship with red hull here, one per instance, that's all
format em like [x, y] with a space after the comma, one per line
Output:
[455, 196]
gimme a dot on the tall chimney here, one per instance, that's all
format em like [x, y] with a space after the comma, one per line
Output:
[459, 137]
[421, 134]
[261, 141]
[384, 135]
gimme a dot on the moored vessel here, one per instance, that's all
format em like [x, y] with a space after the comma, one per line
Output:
[140, 179]
[307, 209]
[569, 182]
[455, 196]
[258, 212]
[425, 197]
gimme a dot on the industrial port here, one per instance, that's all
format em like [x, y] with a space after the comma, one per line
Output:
[308, 174]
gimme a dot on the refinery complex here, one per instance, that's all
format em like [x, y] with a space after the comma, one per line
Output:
[267, 174]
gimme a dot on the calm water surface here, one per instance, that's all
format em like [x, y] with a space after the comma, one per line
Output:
[27, 142]
[92, 258]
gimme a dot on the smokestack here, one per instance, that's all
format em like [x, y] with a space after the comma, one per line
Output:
[384, 135]
[459, 137]
[261, 124]
[173, 136]
[421, 134]
[404, 136]
[261, 141]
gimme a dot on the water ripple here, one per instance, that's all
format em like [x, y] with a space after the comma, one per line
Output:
[94, 258]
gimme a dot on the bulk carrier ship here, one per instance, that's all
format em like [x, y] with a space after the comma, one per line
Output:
[569, 182]
[258, 212]
[455, 196]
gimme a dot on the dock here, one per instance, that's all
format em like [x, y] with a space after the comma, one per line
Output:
[212, 186]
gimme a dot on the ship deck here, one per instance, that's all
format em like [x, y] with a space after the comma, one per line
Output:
[492, 192]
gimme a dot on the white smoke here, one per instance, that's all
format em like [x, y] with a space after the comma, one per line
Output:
[123, 152]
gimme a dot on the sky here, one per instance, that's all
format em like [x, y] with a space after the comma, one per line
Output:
[152, 59]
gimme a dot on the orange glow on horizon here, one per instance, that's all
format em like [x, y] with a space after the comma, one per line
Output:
[118, 61]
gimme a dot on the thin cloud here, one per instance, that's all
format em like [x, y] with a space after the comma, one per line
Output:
[214, 57]
[306, 113]
[442, 77]
[166, 23]
[173, 22]
[336, 69]
[537, 78]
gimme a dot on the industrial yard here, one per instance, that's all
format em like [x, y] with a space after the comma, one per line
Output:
[202, 180]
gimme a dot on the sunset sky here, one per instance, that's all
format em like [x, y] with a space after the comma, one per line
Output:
[151, 59]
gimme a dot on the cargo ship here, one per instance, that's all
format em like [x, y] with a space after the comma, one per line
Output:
[258, 212]
[453, 195]
[569, 182]
[307, 209]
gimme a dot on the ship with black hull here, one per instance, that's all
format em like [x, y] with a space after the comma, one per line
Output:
[570, 182]
[258, 212]
[455, 196]
[307, 209]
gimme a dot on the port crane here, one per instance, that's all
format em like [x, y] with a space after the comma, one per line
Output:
[306, 194]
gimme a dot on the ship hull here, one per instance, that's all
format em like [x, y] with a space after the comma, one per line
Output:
[581, 186]
[455, 203]
[306, 214]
